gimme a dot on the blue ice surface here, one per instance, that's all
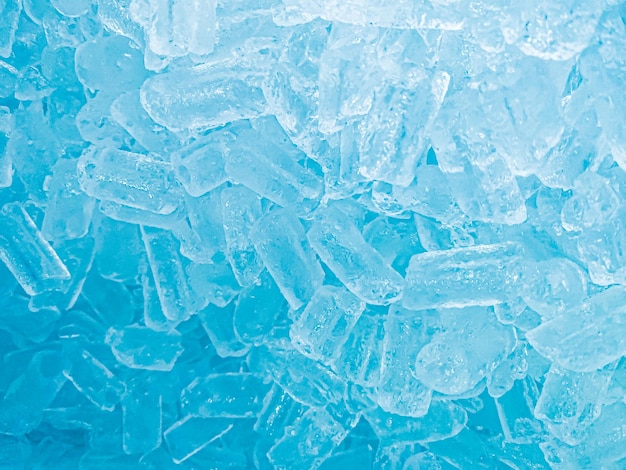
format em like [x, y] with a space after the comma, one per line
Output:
[312, 234]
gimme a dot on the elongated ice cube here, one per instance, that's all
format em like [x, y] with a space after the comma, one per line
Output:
[230, 395]
[141, 416]
[153, 315]
[241, 208]
[93, 379]
[265, 160]
[139, 347]
[460, 277]
[135, 180]
[360, 358]
[308, 442]
[29, 257]
[394, 133]
[399, 390]
[200, 99]
[175, 28]
[325, 323]
[6, 163]
[340, 245]
[10, 13]
[132, 215]
[177, 300]
[68, 213]
[119, 248]
[281, 243]
[204, 235]
[189, 436]
[571, 401]
[21, 409]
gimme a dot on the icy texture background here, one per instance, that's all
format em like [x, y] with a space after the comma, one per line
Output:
[335, 234]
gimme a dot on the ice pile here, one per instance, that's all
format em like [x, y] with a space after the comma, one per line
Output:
[312, 234]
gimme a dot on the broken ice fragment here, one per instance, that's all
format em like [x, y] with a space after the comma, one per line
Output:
[340, 245]
[551, 32]
[571, 401]
[515, 412]
[305, 380]
[553, 286]
[189, 436]
[93, 379]
[460, 277]
[111, 301]
[281, 243]
[21, 409]
[8, 80]
[29, 257]
[472, 342]
[139, 347]
[77, 255]
[589, 337]
[219, 326]
[230, 395]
